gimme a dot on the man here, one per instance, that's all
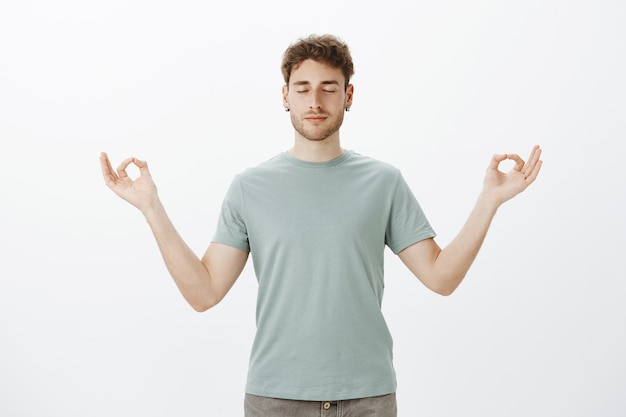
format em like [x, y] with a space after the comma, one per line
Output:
[316, 220]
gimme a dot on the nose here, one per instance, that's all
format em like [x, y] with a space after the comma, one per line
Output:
[315, 102]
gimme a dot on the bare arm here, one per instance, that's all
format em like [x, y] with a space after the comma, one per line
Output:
[442, 270]
[204, 282]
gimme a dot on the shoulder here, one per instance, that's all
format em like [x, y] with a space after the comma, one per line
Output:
[374, 165]
[270, 167]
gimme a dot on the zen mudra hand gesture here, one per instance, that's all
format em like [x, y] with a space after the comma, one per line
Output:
[141, 192]
[504, 186]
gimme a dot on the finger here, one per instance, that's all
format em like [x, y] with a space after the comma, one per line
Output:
[519, 162]
[121, 170]
[495, 161]
[533, 174]
[107, 171]
[535, 154]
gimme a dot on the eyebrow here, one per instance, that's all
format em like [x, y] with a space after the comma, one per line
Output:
[329, 82]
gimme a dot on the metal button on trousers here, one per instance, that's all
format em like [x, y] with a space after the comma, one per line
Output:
[330, 409]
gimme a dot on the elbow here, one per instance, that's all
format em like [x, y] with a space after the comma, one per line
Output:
[446, 287]
[447, 291]
[200, 308]
[203, 305]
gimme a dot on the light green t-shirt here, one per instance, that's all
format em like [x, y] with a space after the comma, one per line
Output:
[317, 234]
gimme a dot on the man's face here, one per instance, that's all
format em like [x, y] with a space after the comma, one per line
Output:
[316, 97]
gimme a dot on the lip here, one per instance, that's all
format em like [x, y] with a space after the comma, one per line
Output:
[316, 118]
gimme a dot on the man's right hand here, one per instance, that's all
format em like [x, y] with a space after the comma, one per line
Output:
[141, 193]
[203, 282]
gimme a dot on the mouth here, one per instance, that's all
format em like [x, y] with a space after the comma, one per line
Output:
[315, 118]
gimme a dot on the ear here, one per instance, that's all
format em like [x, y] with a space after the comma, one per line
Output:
[349, 95]
[286, 96]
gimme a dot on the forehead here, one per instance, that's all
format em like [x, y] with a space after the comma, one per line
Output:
[314, 72]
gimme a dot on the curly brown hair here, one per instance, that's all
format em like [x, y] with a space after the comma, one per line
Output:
[327, 49]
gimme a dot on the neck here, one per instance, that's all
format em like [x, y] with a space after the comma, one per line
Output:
[316, 150]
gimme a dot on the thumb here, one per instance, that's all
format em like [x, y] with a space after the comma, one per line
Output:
[142, 165]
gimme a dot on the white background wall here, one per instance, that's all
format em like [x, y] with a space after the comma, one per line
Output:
[91, 323]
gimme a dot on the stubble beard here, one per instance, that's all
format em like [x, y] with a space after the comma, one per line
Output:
[317, 133]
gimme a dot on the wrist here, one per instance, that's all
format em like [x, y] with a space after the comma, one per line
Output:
[153, 210]
[488, 202]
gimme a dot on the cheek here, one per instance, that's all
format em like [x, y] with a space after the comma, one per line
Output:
[295, 99]
[339, 99]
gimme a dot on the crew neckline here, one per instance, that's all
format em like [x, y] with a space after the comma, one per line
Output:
[336, 161]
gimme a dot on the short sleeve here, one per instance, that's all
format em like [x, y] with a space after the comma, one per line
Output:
[407, 223]
[231, 226]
